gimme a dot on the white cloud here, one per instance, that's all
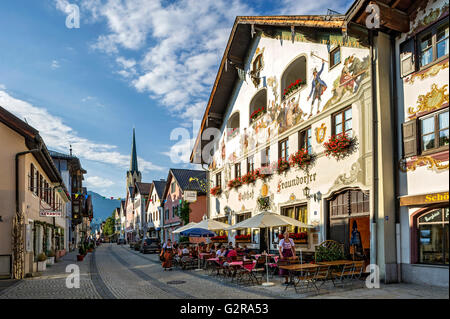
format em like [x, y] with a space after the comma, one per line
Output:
[2, 87]
[98, 182]
[55, 65]
[291, 7]
[59, 136]
[181, 44]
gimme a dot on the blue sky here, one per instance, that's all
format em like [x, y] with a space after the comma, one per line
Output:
[147, 64]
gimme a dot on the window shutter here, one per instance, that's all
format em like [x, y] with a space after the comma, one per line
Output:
[410, 138]
[407, 61]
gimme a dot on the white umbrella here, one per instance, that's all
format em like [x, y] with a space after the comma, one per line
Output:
[265, 220]
[185, 227]
[211, 224]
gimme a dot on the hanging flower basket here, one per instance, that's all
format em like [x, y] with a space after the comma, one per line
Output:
[292, 87]
[216, 191]
[340, 146]
[235, 182]
[283, 165]
[302, 159]
[243, 238]
[249, 178]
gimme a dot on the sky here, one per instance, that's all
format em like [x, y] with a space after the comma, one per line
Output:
[143, 64]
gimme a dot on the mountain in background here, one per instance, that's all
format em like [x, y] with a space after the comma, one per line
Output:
[103, 208]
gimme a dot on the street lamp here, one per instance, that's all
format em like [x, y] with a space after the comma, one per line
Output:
[306, 192]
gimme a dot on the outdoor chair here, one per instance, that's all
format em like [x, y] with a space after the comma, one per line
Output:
[358, 270]
[245, 274]
[260, 268]
[273, 266]
[321, 275]
[304, 280]
[343, 276]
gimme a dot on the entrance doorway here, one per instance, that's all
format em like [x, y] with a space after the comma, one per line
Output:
[347, 209]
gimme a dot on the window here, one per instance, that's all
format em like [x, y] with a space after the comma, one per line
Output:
[172, 187]
[241, 218]
[258, 105]
[335, 57]
[304, 139]
[434, 131]
[295, 71]
[265, 157]
[41, 185]
[433, 44]
[299, 213]
[219, 179]
[433, 236]
[233, 125]
[283, 149]
[32, 178]
[343, 122]
[237, 170]
[250, 164]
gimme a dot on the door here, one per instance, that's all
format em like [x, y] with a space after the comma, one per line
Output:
[339, 232]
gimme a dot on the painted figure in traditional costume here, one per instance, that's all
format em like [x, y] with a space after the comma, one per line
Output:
[317, 89]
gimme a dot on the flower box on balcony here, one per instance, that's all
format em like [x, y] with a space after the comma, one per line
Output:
[283, 165]
[219, 239]
[257, 113]
[235, 182]
[249, 178]
[302, 159]
[293, 87]
[216, 191]
[243, 238]
[340, 146]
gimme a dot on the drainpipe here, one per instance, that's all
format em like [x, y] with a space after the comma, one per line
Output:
[394, 113]
[373, 230]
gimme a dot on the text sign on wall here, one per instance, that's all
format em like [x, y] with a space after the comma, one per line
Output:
[416, 200]
[190, 196]
[44, 213]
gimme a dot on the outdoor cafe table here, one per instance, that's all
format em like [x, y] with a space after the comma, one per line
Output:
[335, 262]
[295, 268]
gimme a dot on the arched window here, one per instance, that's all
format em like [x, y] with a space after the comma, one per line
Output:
[233, 125]
[432, 233]
[294, 77]
[258, 105]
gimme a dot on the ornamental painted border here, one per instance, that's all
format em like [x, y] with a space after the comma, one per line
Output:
[430, 162]
[430, 101]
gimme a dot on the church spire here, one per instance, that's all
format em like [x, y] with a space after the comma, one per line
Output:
[133, 161]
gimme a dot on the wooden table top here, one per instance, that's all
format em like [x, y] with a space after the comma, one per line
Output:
[336, 262]
[298, 266]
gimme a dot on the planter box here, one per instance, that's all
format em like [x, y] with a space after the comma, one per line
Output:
[90, 250]
[50, 260]
[243, 241]
[42, 265]
[219, 241]
[300, 241]
[80, 257]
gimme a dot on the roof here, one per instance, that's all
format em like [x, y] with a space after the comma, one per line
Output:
[73, 159]
[159, 187]
[238, 45]
[133, 160]
[183, 179]
[143, 188]
[34, 141]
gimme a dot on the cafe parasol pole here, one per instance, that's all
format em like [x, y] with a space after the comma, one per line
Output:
[267, 283]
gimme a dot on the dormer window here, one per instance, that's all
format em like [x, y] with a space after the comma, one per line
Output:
[233, 125]
[258, 105]
[294, 77]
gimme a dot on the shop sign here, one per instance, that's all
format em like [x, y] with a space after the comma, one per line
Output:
[306, 179]
[190, 196]
[47, 213]
[417, 200]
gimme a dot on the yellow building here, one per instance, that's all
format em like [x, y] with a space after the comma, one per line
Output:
[32, 199]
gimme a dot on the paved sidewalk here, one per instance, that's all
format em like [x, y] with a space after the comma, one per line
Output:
[52, 283]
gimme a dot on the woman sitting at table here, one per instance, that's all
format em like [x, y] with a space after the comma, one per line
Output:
[286, 248]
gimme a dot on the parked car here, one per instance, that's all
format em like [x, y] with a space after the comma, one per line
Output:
[150, 245]
[137, 245]
[120, 241]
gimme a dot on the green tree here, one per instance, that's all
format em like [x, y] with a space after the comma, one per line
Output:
[184, 212]
[110, 222]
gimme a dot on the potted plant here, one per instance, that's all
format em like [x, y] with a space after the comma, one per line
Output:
[234, 183]
[249, 178]
[81, 253]
[302, 159]
[42, 262]
[257, 113]
[216, 191]
[340, 146]
[50, 257]
[293, 87]
[283, 165]
[90, 248]
[243, 238]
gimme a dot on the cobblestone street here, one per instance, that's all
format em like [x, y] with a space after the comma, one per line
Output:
[117, 272]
